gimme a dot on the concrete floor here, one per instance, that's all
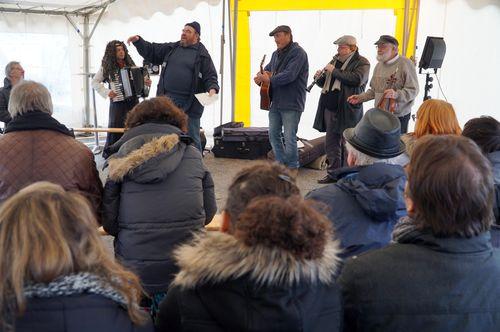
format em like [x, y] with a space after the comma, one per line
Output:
[223, 171]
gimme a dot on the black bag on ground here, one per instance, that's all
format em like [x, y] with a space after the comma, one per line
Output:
[310, 152]
[241, 143]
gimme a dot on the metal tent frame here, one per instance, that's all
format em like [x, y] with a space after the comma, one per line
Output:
[70, 12]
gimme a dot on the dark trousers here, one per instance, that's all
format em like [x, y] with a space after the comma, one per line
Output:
[404, 122]
[117, 114]
[334, 143]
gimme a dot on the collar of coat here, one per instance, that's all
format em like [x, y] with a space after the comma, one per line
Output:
[7, 84]
[75, 284]
[452, 244]
[216, 257]
[121, 166]
[37, 120]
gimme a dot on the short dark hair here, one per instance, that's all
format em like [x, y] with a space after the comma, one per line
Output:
[485, 131]
[159, 110]
[451, 185]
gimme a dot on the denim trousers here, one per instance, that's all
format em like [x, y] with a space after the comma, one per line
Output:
[283, 126]
[193, 123]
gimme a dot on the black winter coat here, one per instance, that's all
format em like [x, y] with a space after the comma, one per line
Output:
[225, 285]
[353, 81]
[364, 205]
[4, 101]
[158, 193]
[424, 283]
[204, 74]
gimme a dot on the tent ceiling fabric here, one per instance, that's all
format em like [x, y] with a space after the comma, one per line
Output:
[124, 10]
[118, 8]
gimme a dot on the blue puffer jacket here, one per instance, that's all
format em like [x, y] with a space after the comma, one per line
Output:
[364, 205]
[289, 80]
[158, 193]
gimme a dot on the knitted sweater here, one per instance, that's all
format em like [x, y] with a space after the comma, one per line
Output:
[406, 85]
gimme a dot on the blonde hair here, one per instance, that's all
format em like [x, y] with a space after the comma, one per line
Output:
[436, 117]
[46, 233]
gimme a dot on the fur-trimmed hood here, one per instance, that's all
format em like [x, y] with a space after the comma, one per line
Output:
[215, 257]
[147, 158]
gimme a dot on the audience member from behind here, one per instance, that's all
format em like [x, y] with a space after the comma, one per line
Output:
[56, 273]
[36, 147]
[271, 268]
[14, 73]
[158, 192]
[434, 117]
[485, 131]
[443, 275]
[367, 199]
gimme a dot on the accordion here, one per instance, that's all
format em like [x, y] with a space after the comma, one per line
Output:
[132, 82]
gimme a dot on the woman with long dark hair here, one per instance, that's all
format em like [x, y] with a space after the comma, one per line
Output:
[115, 58]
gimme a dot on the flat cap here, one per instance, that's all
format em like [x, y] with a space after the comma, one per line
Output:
[346, 40]
[386, 39]
[280, 28]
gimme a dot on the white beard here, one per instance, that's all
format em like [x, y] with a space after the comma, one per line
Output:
[384, 57]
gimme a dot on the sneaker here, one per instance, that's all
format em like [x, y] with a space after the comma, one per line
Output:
[325, 180]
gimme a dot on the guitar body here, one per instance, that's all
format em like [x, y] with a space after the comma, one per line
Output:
[265, 97]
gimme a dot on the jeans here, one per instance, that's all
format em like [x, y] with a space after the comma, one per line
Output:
[283, 126]
[193, 123]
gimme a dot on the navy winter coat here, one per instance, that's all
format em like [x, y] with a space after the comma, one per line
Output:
[78, 313]
[364, 205]
[158, 193]
[424, 283]
[289, 80]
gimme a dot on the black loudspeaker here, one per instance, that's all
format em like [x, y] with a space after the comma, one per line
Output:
[433, 54]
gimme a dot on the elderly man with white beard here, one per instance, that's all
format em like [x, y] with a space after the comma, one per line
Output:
[394, 79]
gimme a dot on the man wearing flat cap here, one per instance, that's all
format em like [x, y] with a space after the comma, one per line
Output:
[366, 201]
[344, 76]
[289, 68]
[394, 80]
[186, 69]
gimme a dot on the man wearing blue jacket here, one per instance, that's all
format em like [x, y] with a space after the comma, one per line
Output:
[289, 70]
[186, 69]
[367, 199]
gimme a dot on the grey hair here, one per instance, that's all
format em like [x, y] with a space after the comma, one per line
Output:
[8, 68]
[364, 159]
[29, 96]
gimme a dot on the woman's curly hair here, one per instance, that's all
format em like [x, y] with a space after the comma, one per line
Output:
[291, 224]
[109, 63]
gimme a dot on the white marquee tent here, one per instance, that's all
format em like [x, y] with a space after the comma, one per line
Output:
[52, 51]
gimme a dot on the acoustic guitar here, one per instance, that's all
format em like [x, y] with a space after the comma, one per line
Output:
[265, 98]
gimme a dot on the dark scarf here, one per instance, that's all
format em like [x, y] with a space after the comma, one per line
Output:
[36, 120]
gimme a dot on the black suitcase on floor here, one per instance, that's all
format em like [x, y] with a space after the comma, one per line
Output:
[242, 143]
[312, 150]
